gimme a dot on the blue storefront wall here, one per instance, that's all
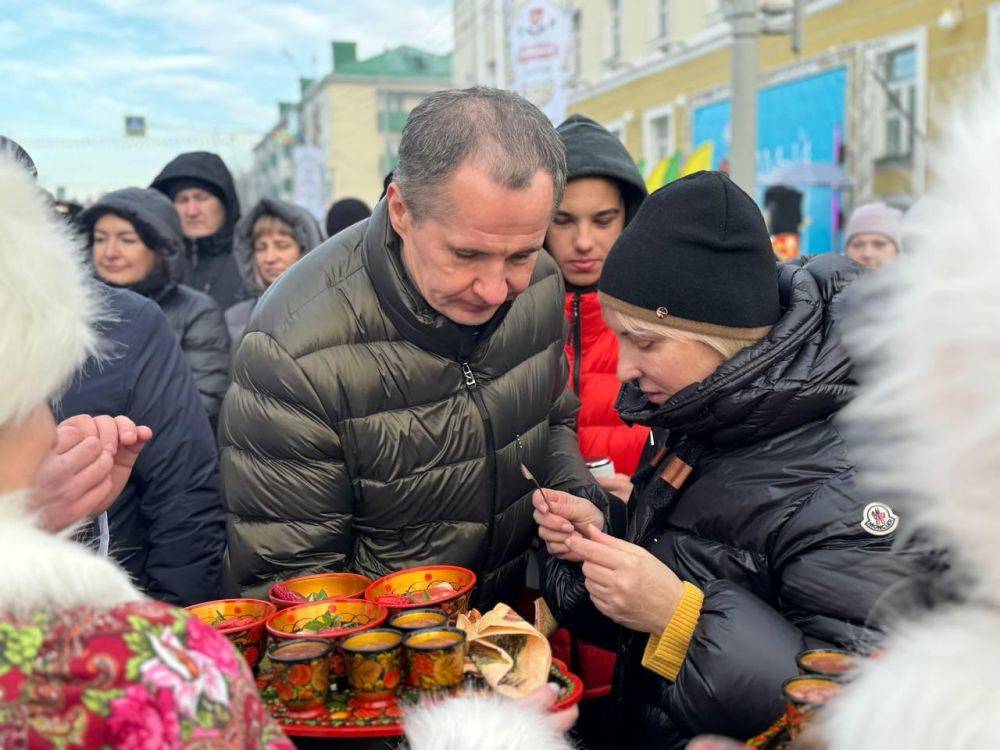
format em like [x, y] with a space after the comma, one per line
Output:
[798, 122]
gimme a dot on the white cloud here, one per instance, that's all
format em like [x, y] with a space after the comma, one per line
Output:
[194, 68]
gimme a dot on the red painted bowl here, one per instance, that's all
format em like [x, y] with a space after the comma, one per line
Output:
[242, 621]
[446, 587]
[317, 588]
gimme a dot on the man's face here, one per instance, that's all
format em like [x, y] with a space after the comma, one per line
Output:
[481, 248]
[202, 214]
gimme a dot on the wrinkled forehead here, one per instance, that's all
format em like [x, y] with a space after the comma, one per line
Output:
[478, 210]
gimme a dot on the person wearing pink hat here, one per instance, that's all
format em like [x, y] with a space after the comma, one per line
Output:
[874, 235]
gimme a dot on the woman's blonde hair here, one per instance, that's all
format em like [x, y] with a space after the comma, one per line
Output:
[725, 347]
[268, 224]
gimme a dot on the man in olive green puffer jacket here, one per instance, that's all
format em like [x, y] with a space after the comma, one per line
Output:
[386, 379]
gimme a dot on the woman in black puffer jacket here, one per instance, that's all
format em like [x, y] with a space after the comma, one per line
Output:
[136, 243]
[746, 539]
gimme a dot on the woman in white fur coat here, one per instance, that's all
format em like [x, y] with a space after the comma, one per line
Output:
[85, 659]
[930, 411]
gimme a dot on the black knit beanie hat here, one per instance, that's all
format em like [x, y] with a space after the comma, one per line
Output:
[345, 213]
[696, 257]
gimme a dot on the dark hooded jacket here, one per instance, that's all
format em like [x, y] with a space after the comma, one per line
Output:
[211, 267]
[365, 431]
[591, 347]
[194, 316]
[307, 234]
[168, 525]
[768, 525]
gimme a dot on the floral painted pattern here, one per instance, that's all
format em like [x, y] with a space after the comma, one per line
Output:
[345, 716]
[142, 676]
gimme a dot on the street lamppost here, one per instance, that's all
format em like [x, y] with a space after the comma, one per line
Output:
[743, 20]
[747, 21]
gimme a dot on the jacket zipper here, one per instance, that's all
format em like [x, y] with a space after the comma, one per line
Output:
[477, 398]
[577, 342]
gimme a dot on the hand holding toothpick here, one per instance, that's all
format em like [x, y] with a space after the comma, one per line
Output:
[626, 582]
[560, 515]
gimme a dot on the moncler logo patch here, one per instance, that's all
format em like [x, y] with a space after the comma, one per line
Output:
[878, 519]
[661, 312]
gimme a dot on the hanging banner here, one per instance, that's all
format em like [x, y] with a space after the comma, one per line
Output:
[799, 134]
[541, 48]
[310, 180]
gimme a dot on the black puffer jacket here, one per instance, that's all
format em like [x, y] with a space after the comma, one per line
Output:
[210, 267]
[364, 430]
[768, 525]
[194, 316]
[307, 234]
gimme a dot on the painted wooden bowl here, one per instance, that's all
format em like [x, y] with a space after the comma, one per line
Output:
[446, 587]
[317, 588]
[242, 621]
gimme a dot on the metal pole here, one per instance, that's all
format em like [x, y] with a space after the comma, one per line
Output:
[743, 18]
[500, 42]
[480, 17]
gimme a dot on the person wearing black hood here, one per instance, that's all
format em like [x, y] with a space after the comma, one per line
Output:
[269, 240]
[603, 192]
[747, 538]
[136, 243]
[201, 187]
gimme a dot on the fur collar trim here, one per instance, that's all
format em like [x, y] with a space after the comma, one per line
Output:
[43, 572]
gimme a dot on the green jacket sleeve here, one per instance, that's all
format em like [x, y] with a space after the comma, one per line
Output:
[288, 494]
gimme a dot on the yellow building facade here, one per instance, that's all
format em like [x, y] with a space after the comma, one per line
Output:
[355, 115]
[902, 60]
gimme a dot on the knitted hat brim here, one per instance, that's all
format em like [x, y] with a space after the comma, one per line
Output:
[662, 317]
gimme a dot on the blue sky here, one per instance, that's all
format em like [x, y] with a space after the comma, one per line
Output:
[205, 74]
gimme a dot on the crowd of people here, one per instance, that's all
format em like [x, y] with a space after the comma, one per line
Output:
[198, 402]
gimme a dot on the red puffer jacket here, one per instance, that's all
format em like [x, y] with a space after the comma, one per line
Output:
[592, 350]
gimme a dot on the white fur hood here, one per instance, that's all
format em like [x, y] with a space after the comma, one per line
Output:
[929, 414]
[47, 303]
[40, 572]
[482, 722]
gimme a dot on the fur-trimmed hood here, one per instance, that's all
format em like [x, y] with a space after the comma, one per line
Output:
[154, 218]
[304, 226]
[483, 722]
[47, 305]
[927, 427]
[43, 572]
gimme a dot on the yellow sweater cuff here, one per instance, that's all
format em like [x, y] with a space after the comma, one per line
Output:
[665, 653]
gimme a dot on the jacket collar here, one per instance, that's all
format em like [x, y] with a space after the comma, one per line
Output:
[220, 243]
[416, 321]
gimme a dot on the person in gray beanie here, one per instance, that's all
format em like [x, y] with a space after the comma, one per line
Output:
[874, 235]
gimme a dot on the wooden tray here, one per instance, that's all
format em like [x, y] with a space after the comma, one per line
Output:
[346, 717]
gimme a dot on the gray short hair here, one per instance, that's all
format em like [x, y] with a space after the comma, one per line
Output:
[505, 130]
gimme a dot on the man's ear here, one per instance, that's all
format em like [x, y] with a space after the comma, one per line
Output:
[400, 215]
